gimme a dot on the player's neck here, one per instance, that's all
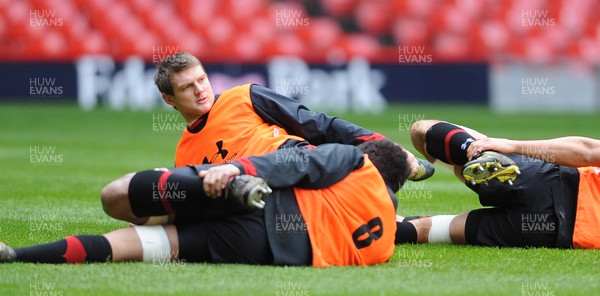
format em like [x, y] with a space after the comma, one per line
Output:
[192, 121]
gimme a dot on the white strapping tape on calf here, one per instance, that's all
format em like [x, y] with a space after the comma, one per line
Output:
[440, 229]
[155, 243]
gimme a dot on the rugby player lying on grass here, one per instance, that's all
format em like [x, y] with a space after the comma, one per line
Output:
[332, 205]
[543, 193]
[242, 121]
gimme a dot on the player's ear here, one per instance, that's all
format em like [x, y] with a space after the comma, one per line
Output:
[168, 99]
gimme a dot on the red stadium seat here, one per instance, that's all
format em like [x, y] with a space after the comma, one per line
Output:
[94, 43]
[454, 20]
[450, 47]
[245, 10]
[374, 17]
[249, 30]
[494, 35]
[537, 51]
[263, 29]
[248, 48]
[289, 44]
[324, 33]
[361, 45]
[221, 31]
[339, 8]
[411, 31]
[18, 19]
[421, 9]
[198, 14]
[53, 44]
[588, 49]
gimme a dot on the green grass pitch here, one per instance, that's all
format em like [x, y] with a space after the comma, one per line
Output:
[55, 159]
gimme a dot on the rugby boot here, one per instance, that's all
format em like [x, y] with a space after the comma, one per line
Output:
[7, 254]
[424, 171]
[488, 166]
[248, 190]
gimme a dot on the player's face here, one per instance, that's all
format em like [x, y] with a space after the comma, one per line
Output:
[193, 94]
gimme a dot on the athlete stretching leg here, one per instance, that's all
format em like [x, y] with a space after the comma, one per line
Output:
[552, 202]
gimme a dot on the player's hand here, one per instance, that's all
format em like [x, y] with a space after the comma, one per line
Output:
[484, 144]
[215, 179]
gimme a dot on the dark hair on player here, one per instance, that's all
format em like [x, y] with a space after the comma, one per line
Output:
[173, 64]
[390, 159]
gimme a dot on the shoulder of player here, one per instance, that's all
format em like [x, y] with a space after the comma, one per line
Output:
[245, 89]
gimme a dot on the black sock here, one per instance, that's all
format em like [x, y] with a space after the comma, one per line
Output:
[405, 233]
[410, 218]
[448, 143]
[156, 193]
[179, 190]
[73, 249]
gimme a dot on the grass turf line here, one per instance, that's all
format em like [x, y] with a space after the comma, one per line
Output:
[45, 201]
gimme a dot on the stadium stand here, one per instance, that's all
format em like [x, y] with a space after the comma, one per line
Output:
[544, 31]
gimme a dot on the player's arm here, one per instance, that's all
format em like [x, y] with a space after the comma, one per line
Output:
[319, 167]
[315, 127]
[569, 151]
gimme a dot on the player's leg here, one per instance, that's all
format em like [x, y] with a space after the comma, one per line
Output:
[445, 131]
[512, 227]
[234, 239]
[449, 143]
[441, 140]
[535, 225]
[140, 243]
[156, 243]
[531, 205]
[507, 227]
[418, 130]
[115, 200]
[157, 196]
[72, 249]
[434, 229]
[121, 201]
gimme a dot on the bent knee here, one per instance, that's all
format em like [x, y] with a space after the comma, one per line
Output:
[115, 194]
[419, 128]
